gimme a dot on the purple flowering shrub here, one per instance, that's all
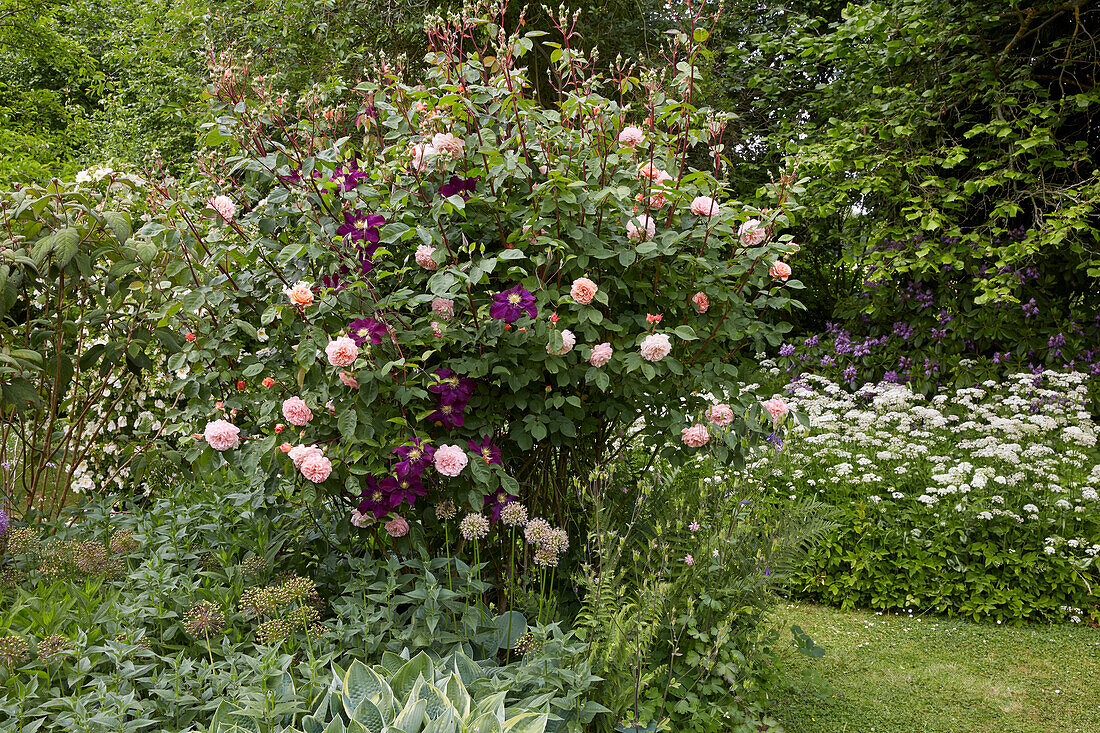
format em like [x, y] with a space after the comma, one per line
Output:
[446, 295]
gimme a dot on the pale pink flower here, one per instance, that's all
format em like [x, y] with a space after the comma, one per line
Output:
[656, 200]
[397, 527]
[299, 453]
[696, 436]
[704, 206]
[752, 233]
[631, 136]
[424, 257]
[654, 174]
[286, 447]
[296, 412]
[342, 352]
[316, 468]
[641, 229]
[361, 520]
[656, 346]
[780, 270]
[450, 460]
[443, 307]
[437, 329]
[601, 354]
[777, 408]
[349, 380]
[720, 414]
[330, 407]
[583, 290]
[422, 155]
[301, 294]
[222, 435]
[694, 526]
[445, 142]
[568, 341]
[689, 560]
[224, 206]
[701, 302]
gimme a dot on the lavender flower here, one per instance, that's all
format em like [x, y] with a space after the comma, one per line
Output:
[510, 305]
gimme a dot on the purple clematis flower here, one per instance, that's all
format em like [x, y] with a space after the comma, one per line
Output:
[511, 304]
[351, 175]
[414, 458]
[402, 489]
[361, 227]
[489, 452]
[449, 415]
[497, 501]
[362, 330]
[375, 500]
[451, 387]
[463, 186]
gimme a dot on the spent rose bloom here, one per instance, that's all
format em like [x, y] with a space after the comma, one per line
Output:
[349, 380]
[701, 302]
[443, 307]
[445, 142]
[296, 412]
[224, 206]
[583, 290]
[656, 346]
[397, 527]
[601, 354]
[299, 453]
[437, 328]
[704, 206]
[316, 468]
[359, 519]
[777, 408]
[450, 460]
[752, 233]
[342, 352]
[301, 294]
[631, 136]
[424, 257]
[222, 435]
[696, 436]
[780, 270]
[720, 414]
[422, 155]
[641, 229]
[568, 341]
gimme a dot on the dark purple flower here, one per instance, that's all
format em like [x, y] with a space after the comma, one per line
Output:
[457, 185]
[414, 458]
[511, 304]
[402, 489]
[486, 450]
[375, 500]
[363, 329]
[351, 175]
[449, 415]
[452, 388]
[498, 501]
[361, 227]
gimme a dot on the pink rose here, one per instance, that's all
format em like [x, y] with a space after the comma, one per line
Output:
[450, 460]
[631, 136]
[654, 174]
[656, 346]
[780, 270]
[299, 453]
[349, 380]
[445, 142]
[286, 447]
[422, 156]
[361, 520]
[224, 206]
[701, 302]
[720, 414]
[342, 352]
[424, 257]
[222, 435]
[777, 408]
[601, 354]
[704, 206]
[437, 329]
[583, 290]
[316, 468]
[296, 412]
[443, 307]
[568, 341]
[656, 201]
[301, 294]
[641, 229]
[696, 436]
[397, 527]
[752, 233]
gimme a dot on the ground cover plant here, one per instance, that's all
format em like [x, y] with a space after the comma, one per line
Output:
[979, 502]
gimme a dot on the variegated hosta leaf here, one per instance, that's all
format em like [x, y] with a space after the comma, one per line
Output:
[402, 682]
[447, 723]
[459, 697]
[411, 717]
[491, 705]
[360, 683]
[369, 716]
[526, 723]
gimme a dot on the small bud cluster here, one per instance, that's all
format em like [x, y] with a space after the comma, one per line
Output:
[204, 619]
[254, 565]
[301, 618]
[54, 647]
[474, 527]
[123, 542]
[445, 510]
[269, 600]
[514, 515]
[14, 651]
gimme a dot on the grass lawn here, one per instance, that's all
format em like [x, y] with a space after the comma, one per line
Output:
[936, 675]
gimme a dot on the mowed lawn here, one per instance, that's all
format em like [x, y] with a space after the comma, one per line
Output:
[887, 673]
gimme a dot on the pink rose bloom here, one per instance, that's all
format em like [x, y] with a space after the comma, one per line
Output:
[445, 142]
[424, 257]
[656, 201]
[316, 468]
[443, 307]
[286, 447]
[342, 352]
[720, 414]
[777, 408]
[296, 412]
[222, 435]
[701, 302]
[422, 156]
[641, 229]
[450, 460]
[656, 346]
[601, 354]
[300, 453]
[583, 290]
[704, 206]
[631, 136]
[301, 294]
[568, 341]
[654, 174]
[696, 436]
[349, 380]
[752, 233]
[397, 527]
[224, 206]
[360, 520]
[780, 270]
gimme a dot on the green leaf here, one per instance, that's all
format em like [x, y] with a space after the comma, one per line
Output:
[411, 716]
[66, 243]
[402, 682]
[687, 333]
[119, 225]
[526, 723]
[510, 628]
